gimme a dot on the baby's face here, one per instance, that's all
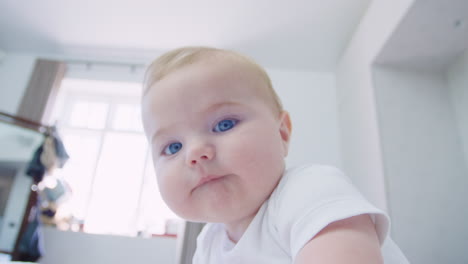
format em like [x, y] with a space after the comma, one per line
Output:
[217, 145]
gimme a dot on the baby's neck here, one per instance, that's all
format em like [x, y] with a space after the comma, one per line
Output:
[236, 229]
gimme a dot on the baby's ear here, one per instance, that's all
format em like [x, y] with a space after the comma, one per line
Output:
[285, 130]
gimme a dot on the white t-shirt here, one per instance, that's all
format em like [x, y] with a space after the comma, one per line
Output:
[306, 200]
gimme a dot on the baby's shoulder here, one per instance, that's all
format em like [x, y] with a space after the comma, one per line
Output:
[309, 187]
[312, 169]
[310, 197]
[308, 177]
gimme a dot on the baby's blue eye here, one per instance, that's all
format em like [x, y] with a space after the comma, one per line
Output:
[225, 125]
[172, 148]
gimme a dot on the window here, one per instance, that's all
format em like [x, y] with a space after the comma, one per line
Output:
[110, 172]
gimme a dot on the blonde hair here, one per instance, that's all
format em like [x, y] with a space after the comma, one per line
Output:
[178, 58]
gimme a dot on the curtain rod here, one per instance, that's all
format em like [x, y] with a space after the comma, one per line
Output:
[110, 63]
[23, 122]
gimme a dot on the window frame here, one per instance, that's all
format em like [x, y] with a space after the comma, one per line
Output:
[71, 96]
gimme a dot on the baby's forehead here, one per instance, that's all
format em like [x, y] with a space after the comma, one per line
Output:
[219, 73]
[235, 68]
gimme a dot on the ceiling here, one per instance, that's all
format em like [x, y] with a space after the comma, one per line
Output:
[294, 34]
[431, 36]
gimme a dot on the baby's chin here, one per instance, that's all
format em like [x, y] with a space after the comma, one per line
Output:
[224, 215]
[227, 206]
[204, 217]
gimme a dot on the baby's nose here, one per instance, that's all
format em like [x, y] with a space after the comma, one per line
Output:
[200, 153]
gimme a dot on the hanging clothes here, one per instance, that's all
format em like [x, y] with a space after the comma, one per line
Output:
[35, 168]
[49, 155]
[60, 152]
[30, 246]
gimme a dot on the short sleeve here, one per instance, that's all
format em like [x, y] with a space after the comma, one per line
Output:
[309, 198]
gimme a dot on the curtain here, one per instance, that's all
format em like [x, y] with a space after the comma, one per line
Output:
[188, 242]
[41, 91]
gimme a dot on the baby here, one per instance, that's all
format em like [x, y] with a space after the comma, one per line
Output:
[219, 136]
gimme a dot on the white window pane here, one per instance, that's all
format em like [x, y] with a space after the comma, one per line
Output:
[117, 184]
[89, 114]
[127, 117]
[121, 199]
[155, 215]
[83, 148]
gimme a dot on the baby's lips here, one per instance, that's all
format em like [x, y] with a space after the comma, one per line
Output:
[206, 179]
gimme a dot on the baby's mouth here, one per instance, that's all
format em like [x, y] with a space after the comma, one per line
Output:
[208, 179]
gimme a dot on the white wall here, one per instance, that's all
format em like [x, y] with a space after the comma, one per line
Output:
[310, 99]
[15, 70]
[65, 247]
[424, 165]
[359, 132]
[457, 77]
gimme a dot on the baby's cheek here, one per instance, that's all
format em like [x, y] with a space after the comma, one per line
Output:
[171, 188]
[166, 181]
[254, 150]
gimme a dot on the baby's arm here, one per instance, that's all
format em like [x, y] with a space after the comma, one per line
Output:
[352, 240]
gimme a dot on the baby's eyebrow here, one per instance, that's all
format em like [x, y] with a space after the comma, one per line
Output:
[216, 106]
[159, 133]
